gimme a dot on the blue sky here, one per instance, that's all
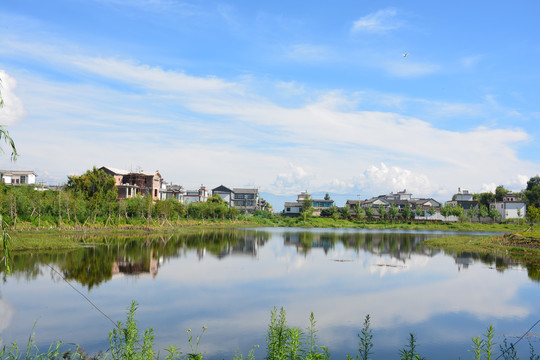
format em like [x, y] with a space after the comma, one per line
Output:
[284, 96]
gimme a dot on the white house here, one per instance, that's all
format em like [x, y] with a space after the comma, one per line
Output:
[18, 177]
[192, 196]
[510, 207]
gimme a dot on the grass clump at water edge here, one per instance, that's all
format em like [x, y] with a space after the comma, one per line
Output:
[282, 343]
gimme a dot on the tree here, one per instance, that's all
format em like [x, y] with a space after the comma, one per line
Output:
[307, 208]
[393, 212]
[358, 211]
[345, 213]
[500, 192]
[494, 214]
[532, 192]
[370, 213]
[407, 212]
[446, 210]
[472, 212]
[327, 197]
[418, 212]
[96, 187]
[533, 215]
[484, 198]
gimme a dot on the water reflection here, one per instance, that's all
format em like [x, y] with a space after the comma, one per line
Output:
[105, 257]
[229, 280]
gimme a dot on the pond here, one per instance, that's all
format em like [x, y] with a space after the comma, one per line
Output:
[230, 280]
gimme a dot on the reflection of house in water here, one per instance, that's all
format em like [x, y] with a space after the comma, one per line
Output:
[463, 261]
[236, 244]
[143, 267]
[399, 246]
[306, 241]
[248, 247]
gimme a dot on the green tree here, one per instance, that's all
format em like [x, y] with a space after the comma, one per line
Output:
[382, 212]
[419, 212]
[407, 212]
[532, 192]
[533, 214]
[327, 196]
[393, 212]
[345, 213]
[494, 214]
[484, 198]
[457, 210]
[446, 210]
[96, 187]
[500, 192]
[358, 211]
[307, 208]
[472, 212]
[370, 213]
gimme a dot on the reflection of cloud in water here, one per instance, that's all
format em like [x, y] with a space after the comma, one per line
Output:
[6, 315]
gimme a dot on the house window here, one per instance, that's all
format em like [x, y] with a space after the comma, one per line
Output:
[23, 179]
[288, 209]
[155, 192]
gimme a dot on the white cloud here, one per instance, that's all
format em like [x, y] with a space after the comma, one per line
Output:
[13, 109]
[380, 21]
[384, 179]
[292, 182]
[153, 113]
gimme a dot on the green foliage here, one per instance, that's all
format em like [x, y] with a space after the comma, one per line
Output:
[483, 348]
[533, 214]
[365, 344]
[494, 214]
[345, 213]
[407, 212]
[126, 342]
[97, 188]
[409, 352]
[286, 343]
[307, 208]
[370, 213]
[446, 210]
[393, 212]
[532, 192]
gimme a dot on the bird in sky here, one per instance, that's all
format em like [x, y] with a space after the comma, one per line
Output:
[405, 55]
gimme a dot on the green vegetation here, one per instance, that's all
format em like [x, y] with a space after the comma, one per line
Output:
[282, 343]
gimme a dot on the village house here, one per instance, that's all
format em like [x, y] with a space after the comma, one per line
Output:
[170, 191]
[194, 196]
[18, 177]
[510, 207]
[244, 199]
[295, 208]
[130, 184]
[464, 199]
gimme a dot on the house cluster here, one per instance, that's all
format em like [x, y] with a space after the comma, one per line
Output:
[508, 208]
[130, 184]
[400, 200]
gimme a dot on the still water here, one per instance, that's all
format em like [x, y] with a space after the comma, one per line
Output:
[230, 280]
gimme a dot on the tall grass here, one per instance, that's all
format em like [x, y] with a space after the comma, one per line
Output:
[127, 342]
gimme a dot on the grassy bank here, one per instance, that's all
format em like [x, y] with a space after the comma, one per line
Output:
[68, 236]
